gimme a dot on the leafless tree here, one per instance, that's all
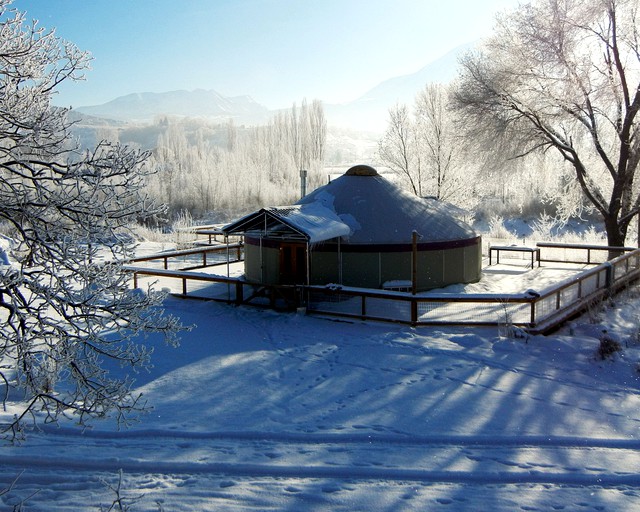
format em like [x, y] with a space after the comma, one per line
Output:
[565, 76]
[438, 142]
[232, 135]
[66, 307]
[307, 128]
[399, 150]
[318, 127]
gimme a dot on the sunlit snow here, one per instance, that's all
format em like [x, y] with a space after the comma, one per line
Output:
[259, 410]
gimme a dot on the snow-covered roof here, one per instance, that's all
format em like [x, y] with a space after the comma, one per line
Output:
[362, 207]
[380, 212]
[312, 222]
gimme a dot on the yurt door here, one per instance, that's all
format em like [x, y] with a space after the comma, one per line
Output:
[293, 263]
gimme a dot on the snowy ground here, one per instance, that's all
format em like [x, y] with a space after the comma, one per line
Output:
[264, 411]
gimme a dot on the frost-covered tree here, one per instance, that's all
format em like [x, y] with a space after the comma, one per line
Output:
[66, 307]
[439, 144]
[422, 147]
[564, 76]
[318, 129]
[399, 148]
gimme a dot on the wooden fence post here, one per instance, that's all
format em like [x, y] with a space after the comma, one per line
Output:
[414, 312]
[608, 274]
[239, 293]
[533, 311]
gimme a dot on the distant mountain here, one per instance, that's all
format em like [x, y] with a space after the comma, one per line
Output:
[370, 111]
[367, 113]
[199, 103]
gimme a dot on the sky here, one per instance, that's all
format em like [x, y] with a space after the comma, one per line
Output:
[276, 51]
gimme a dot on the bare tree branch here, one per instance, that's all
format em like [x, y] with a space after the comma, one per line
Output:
[65, 311]
[565, 76]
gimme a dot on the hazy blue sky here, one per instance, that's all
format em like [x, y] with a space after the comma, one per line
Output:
[277, 51]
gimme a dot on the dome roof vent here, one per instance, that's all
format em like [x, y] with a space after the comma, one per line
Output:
[361, 170]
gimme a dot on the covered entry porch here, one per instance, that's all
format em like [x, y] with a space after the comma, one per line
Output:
[279, 240]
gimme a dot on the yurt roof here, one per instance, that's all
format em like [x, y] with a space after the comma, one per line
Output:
[361, 207]
[380, 212]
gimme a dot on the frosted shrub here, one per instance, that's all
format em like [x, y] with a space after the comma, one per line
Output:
[594, 235]
[506, 328]
[497, 228]
[146, 234]
[608, 347]
[182, 229]
[545, 227]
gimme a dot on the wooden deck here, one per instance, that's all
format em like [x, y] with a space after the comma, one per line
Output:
[536, 312]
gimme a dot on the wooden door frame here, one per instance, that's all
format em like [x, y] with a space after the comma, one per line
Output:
[299, 267]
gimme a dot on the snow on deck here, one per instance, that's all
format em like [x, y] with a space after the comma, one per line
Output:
[262, 411]
[513, 277]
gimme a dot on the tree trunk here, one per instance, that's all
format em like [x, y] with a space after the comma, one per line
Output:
[615, 235]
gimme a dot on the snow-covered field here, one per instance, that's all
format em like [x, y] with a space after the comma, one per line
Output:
[258, 410]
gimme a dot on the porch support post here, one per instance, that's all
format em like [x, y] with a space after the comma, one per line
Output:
[414, 262]
[339, 262]
[308, 258]
[261, 261]
[226, 241]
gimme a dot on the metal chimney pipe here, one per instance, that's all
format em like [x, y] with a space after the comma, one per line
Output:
[303, 182]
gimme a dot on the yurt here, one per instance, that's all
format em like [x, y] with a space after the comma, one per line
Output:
[359, 230]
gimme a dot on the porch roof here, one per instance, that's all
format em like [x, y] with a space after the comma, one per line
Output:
[311, 222]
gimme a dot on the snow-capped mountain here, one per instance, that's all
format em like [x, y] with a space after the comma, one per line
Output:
[199, 103]
[371, 109]
[368, 112]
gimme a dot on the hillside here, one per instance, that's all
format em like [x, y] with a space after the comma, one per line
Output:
[370, 111]
[258, 410]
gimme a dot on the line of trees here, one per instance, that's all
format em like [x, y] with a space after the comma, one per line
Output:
[431, 155]
[549, 102]
[240, 168]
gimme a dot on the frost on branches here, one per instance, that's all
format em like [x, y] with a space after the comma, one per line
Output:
[564, 77]
[65, 304]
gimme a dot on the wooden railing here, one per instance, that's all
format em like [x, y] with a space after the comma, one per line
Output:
[593, 253]
[234, 252]
[536, 311]
[232, 293]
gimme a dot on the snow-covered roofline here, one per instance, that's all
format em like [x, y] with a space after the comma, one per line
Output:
[312, 222]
